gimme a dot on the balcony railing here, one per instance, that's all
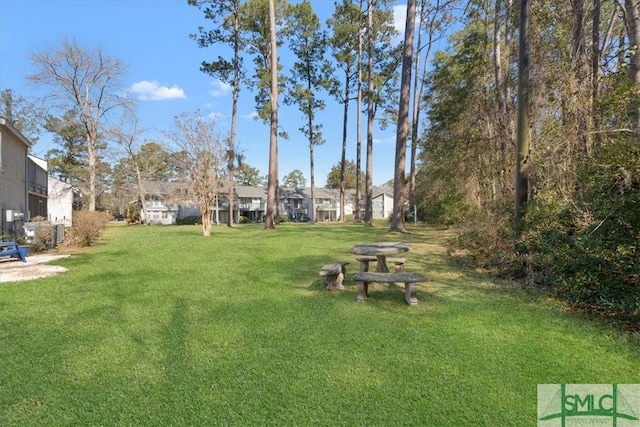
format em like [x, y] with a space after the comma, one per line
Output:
[326, 206]
[253, 206]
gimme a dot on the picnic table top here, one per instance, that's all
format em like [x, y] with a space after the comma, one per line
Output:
[380, 248]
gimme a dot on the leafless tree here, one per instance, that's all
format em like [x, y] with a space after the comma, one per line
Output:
[203, 154]
[86, 80]
[127, 137]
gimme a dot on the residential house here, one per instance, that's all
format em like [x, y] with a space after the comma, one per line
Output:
[251, 203]
[38, 187]
[14, 196]
[60, 202]
[327, 202]
[382, 204]
[167, 201]
[49, 197]
[292, 205]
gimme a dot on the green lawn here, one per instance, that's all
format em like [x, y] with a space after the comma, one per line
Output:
[161, 326]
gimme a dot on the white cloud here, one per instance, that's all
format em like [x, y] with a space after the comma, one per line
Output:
[153, 91]
[399, 17]
[391, 139]
[252, 115]
[220, 88]
[216, 115]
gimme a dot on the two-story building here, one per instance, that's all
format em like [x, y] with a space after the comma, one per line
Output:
[38, 188]
[292, 205]
[14, 165]
[382, 203]
[26, 188]
[60, 201]
[165, 202]
[251, 203]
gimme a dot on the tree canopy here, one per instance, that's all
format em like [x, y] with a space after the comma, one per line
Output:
[350, 173]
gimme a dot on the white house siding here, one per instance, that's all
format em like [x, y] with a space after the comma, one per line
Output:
[382, 206]
[60, 203]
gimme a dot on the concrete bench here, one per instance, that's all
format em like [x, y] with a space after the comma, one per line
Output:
[334, 275]
[410, 281]
[365, 260]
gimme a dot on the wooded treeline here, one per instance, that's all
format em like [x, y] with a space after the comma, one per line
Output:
[581, 222]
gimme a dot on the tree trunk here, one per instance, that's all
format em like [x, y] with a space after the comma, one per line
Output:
[368, 202]
[234, 115]
[314, 216]
[633, 24]
[92, 159]
[397, 220]
[206, 223]
[417, 94]
[579, 67]
[522, 149]
[595, 69]
[141, 195]
[358, 213]
[343, 157]
[273, 137]
[504, 119]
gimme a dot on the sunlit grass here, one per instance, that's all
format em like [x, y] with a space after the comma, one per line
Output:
[161, 326]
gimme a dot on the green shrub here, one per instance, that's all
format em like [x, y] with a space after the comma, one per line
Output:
[448, 210]
[586, 251]
[188, 220]
[487, 243]
[283, 218]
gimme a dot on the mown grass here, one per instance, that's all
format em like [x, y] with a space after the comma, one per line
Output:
[161, 326]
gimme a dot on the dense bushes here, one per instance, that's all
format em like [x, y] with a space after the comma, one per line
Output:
[189, 220]
[582, 248]
[599, 268]
[86, 228]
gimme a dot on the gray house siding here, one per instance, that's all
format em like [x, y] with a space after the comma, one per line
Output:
[14, 201]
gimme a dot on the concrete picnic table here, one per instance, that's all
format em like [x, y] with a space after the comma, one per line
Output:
[380, 250]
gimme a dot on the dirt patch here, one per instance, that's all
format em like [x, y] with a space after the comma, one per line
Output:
[36, 267]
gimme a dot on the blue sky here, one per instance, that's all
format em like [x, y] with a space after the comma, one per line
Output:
[152, 39]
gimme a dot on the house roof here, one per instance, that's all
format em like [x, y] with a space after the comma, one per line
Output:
[290, 193]
[328, 193]
[38, 161]
[159, 187]
[7, 124]
[245, 191]
[248, 191]
[378, 191]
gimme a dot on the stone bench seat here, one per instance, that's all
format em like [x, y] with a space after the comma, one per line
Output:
[333, 274]
[410, 281]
